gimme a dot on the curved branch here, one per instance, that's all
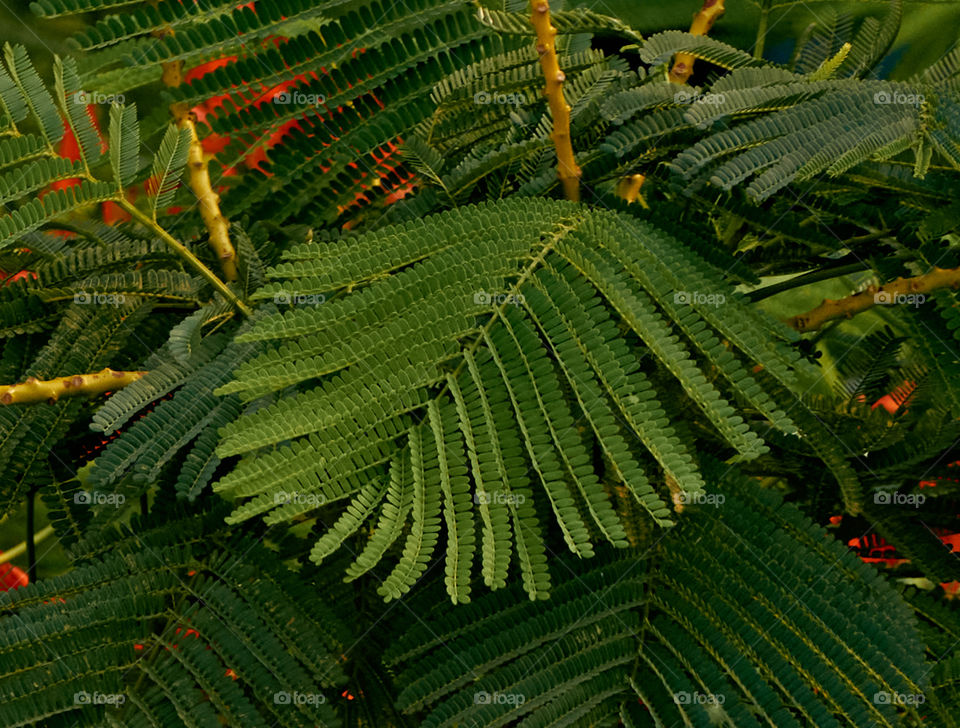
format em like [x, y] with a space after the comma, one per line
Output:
[702, 22]
[14, 551]
[886, 295]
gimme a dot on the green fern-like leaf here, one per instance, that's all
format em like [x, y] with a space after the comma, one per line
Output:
[124, 143]
[688, 632]
[33, 94]
[168, 166]
[69, 93]
[179, 625]
[427, 360]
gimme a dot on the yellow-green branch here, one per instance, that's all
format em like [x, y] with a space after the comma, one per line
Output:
[198, 174]
[702, 22]
[12, 553]
[199, 178]
[73, 385]
[567, 169]
[889, 294]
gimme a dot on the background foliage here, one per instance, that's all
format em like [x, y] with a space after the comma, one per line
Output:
[447, 451]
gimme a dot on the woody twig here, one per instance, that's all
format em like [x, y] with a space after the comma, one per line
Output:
[73, 385]
[198, 171]
[702, 23]
[567, 169]
[885, 295]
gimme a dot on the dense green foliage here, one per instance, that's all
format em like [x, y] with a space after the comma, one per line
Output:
[451, 450]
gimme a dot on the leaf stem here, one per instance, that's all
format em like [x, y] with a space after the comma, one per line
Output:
[762, 30]
[185, 253]
[31, 541]
[805, 279]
